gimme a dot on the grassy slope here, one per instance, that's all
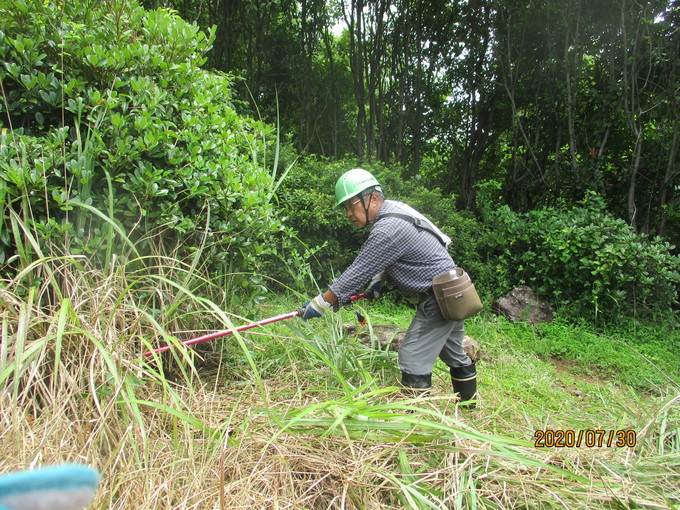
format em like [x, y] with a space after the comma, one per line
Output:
[293, 415]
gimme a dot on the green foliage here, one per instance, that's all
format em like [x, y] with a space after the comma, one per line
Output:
[587, 260]
[109, 109]
[551, 99]
[581, 258]
[306, 200]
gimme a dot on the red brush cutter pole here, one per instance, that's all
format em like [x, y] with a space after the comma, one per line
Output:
[217, 334]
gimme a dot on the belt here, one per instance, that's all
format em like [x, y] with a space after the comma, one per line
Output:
[425, 294]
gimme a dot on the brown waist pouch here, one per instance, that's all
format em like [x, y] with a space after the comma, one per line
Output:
[456, 295]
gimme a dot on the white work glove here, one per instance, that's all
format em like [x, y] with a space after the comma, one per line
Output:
[314, 308]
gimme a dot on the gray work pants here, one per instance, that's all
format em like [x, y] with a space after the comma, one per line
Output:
[430, 336]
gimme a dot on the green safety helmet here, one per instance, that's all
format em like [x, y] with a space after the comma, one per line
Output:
[353, 182]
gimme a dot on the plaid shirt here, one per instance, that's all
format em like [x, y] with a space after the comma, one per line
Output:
[411, 257]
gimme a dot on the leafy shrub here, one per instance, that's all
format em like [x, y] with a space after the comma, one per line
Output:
[586, 259]
[307, 202]
[110, 120]
[307, 197]
[581, 257]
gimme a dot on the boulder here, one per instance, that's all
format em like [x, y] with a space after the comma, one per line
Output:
[521, 304]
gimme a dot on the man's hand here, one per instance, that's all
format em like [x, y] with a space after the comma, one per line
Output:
[375, 286]
[314, 309]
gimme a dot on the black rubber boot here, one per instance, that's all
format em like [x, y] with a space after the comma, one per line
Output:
[464, 381]
[416, 385]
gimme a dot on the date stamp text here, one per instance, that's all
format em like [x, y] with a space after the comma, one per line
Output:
[588, 438]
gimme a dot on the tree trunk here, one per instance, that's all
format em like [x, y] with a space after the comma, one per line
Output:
[354, 20]
[568, 44]
[668, 180]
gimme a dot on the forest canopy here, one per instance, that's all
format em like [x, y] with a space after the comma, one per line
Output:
[542, 137]
[541, 100]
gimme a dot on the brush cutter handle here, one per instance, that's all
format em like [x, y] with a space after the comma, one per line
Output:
[217, 334]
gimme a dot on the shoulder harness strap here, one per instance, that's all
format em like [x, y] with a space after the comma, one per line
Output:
[417, 222]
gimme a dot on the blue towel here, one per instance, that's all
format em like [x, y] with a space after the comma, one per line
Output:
[63, 487]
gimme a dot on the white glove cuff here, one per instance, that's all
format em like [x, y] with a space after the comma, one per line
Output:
[321, 302]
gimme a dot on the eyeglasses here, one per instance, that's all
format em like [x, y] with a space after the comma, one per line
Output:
[351, 204]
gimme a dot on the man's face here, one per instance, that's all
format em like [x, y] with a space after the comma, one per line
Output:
[355, 211]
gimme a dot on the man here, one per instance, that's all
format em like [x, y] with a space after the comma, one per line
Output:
[410, 256]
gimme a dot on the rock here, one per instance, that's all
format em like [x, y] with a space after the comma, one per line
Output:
[388, 337]
[473, 349]
[521, 304]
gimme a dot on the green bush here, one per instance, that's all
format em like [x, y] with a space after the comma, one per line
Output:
[108, 114]
[581, 257]
[307, 199]
[586, 259]
[307, 204]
